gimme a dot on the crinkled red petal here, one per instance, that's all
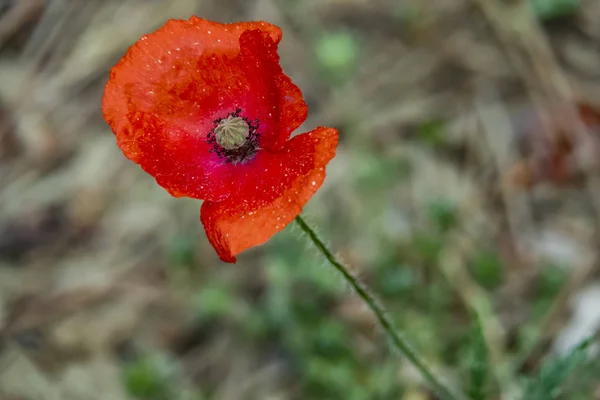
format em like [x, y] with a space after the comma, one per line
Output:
[163, 96]
[281, 108]
[270, 195]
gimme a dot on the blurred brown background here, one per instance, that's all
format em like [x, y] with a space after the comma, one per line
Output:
[465, 188]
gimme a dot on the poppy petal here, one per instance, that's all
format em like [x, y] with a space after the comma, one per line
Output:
[282, 108]
[163, 96]
[272, 197]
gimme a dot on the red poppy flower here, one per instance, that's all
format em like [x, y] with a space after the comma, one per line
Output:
[205, 109]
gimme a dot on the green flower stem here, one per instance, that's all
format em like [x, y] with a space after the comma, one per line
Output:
[394, 335]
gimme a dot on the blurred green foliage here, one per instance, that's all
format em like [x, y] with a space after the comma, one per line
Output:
[486, 268]
[547, 385]
[432, 132]
[181, 251]
[551, 281]
[149, 378]
[214, 301]
[337, 54]
[329, 353]
[477, 363]
[584, 381]
[443, 214]
[551, 9]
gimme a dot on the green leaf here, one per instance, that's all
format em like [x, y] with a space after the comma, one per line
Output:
[443, 213]
[552, 9]
[552, 279]
[337, 50]
[432, 132]
[486, 268]
[148, 378]
[554, 372]
[214, 301]
[396, 281]
[337, 53]
[478, 362]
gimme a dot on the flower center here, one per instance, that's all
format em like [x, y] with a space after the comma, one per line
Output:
[234, 138]
[232, 132]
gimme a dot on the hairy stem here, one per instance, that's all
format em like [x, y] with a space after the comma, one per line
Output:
[393, 333]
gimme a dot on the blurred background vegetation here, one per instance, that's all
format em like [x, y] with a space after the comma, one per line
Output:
[464, 192]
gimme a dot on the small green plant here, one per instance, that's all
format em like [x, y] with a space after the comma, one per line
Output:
[337, 54]
[547, 385]
[214, 300]
[551, 9]
[443, 214]
[486, 269]
[148, 378]
[432, 132]
[478, 363]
